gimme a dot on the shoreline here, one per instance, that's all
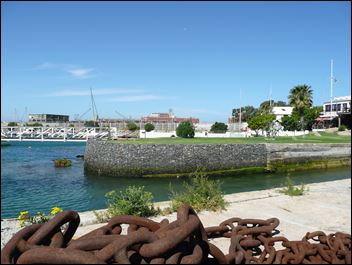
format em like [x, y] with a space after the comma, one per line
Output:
[326, 206]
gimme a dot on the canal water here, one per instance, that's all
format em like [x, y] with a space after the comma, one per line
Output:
[29, 180]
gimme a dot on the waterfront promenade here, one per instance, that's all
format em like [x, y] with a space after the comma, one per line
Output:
[325, 207]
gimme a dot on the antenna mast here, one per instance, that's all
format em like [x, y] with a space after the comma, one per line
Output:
[270, 92]
[331, 85]
[94, 107]
[240, 119]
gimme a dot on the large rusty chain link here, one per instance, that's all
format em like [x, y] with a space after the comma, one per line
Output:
[183, 241]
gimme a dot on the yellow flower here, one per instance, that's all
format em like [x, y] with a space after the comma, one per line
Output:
[55, 210]
[23, 215]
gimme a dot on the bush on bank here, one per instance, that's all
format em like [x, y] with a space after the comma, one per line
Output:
[132, 201]
[201, 193]
[291, 190]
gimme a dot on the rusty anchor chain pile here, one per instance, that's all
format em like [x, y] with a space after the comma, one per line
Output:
[182, 241]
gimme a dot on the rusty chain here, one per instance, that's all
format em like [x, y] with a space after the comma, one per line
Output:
[184, 241]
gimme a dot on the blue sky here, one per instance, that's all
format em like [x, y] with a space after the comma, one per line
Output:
[192, 57]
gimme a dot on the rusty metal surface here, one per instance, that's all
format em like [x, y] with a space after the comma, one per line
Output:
[184, 241]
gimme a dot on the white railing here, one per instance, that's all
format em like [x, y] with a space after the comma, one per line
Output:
[60, 133]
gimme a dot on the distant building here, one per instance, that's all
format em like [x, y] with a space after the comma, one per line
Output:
[340, 109]
[48, 118]
[281, 112]
[167, 118]
[165, 121]
[339, 105]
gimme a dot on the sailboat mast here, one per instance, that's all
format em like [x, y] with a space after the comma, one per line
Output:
[94, 107]
[331, 85]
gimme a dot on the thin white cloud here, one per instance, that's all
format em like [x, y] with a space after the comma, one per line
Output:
[73, 70]
[86, 92]
[81, 72]
[46, 65]
[141, 98]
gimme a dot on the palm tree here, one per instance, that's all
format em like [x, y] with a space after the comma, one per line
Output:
[300, 98]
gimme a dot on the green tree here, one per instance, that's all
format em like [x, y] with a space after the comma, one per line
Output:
[261, 122]
[219, 127]
[301, 97]
[149, 127]
[132, 126]
[265, 107]
[247, 112]
[12, 124]
[185, 129]
[310, 114]
[291, 123]
[280, 103]
[91, 124]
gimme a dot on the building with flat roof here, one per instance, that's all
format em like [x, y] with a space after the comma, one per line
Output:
[339, 105]
[281, 112]
[167, 118]
[340, 110]
[165, 121]
[49, 118]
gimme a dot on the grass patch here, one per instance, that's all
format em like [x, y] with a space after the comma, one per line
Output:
[310, 138]
[291, 190]
[132, 201]
[201, 193]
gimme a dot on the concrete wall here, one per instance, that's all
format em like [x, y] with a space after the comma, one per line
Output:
[108, 158]
[307, 152]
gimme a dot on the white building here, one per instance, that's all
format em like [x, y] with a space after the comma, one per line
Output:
[280, 112]
[339, 105]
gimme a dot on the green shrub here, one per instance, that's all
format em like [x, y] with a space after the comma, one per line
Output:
[291, 190]
[219, 127]
[149, 127]
[36, 124]
[185, 129]
[342, 128]
[131, 126]
[133, 201]
[12, 124]
[63, 162]
[201, 193]
[91, 124]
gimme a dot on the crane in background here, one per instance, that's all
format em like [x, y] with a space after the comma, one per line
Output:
[78, 118]
[125, 119]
